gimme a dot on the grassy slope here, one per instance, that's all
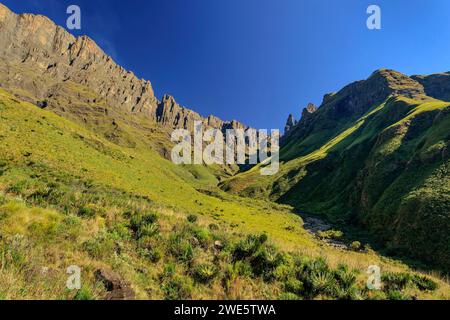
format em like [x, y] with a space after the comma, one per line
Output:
[387, 170]
[67, 147]
[66, 198]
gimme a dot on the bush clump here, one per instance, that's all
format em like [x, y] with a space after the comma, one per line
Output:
[144, 224]
[424, 283]
[294, 285]
[155, 255]
[399, 281]
[330, 234]
[192, 218]
[178, 288]
[181, 249]
[355, 245]
[86, 212]
[248, 247]
[205, 273]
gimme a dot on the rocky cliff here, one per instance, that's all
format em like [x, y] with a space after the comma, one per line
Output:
[436, 85]
[45, 64]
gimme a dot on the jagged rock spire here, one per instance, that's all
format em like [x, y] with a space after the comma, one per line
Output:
[290, 123]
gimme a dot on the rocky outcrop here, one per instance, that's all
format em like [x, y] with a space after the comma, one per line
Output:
[436, 85]
[289, 123]
[353, 101]
[308, 111]
[53, 56]
[292, 125]
[41, 61]
[115, 286]
[358, 97]
[170, 113]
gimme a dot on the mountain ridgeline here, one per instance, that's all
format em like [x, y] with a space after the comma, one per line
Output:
[375, 154]
[42, 63]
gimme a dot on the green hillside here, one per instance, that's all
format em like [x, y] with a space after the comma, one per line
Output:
[71, 197]
[386, 171]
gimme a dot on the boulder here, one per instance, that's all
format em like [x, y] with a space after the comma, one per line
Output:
[116, 287]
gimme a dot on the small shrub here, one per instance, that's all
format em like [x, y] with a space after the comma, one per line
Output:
[3, 167]
[192, 218]
[100, 246]
[202, 235]
[178, 288]
[395, 281]
[397, 295]
[84, 294]
[322, 283]
[181, 249]
[330, 234]
[138, 219]
[230, 275]
[282, 272]
[294, 286]
[148, 230]
[86, 212]
[346, 279]
[155, 255]
[213, 227]
[286, 296]
[265, 260]
[355, 245]
[290, 228]
[351, 293]
[18, 187]
[169, 271]
[243, 269]
[249, 246]
[144, 224]
[204, 273]
[2, 200]
[424, 283]
[306, 267]
[121, 231]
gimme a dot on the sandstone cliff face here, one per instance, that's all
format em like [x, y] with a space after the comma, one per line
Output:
[171, 114]
[308, 111]
[357, 98]
[41, 60]
[436, 85]
[53, 56]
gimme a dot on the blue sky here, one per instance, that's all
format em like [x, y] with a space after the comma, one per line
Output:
[259, 60]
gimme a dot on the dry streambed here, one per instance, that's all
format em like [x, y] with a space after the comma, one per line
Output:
[316, 225]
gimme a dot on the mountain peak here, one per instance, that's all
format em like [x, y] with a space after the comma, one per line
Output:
[397, 83]
[310, 108]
